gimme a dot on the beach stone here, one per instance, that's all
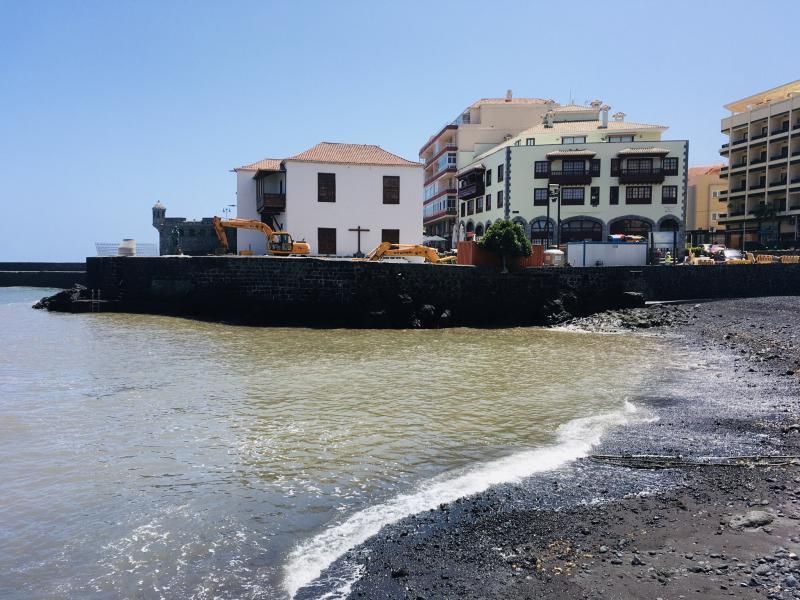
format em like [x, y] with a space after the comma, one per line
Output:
[751, 519]
[790, 581]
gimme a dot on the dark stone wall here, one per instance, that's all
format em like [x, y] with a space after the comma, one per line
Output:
[40, 274]
[318, 292]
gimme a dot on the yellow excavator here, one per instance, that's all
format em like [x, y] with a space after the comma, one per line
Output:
[279, 243]
[387, 249]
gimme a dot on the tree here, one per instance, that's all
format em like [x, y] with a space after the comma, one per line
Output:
[506, 239]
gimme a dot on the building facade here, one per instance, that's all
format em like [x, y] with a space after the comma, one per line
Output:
[177, 235]
[706, 205]
[614, 177]
[763, 171]
[344, 199]
[481, 126]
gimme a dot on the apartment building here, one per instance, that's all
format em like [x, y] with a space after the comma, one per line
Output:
[481, 126]
[609, 177]
[344, 199]
[706, 205]
[763, 171]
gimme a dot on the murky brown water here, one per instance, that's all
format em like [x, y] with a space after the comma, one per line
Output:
[156, 457]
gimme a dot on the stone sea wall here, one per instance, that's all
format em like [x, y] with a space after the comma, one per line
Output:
[319, 292]
[42, 274]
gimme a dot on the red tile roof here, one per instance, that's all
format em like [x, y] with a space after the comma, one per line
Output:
[705, 170]
[332, 152]
[353, 154]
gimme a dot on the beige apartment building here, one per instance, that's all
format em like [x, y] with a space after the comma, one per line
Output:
[705, 205]
[481, 126]
[763, 171]
[608, 177]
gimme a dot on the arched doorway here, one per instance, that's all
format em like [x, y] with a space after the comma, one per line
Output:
[669, 224]
[479, 230]
[543, 231]
[631, 226]
[581, 229]
[470, 230]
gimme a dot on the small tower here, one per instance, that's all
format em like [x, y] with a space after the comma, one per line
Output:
[159, 214]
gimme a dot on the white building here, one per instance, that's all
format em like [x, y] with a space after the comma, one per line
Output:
[341, 198]
[614, 177]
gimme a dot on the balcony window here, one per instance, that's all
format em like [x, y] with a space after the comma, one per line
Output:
[638, 194]
[573, 167]
[530, 141]
[640, 165]
[540, 197]
[669, 194]
[488, 202]
[670, 165]
[576, 139]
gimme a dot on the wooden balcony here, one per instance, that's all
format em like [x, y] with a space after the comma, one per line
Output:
[571, 177]
[271, 203]
[641, 175]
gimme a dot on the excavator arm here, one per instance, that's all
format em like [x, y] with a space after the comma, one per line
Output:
[279, 243]
[389, 249]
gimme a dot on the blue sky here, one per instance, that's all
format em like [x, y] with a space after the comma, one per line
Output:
[106, 107]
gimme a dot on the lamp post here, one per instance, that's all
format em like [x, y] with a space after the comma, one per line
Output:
[554, 195]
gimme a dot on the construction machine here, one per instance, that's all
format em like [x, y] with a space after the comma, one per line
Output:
[279, 243]
[388, 249]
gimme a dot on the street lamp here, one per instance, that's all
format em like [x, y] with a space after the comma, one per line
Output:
[554, 195]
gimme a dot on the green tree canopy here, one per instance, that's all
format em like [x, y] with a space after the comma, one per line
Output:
[507, 239]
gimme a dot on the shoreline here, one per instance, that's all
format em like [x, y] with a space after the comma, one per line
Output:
[592, 530]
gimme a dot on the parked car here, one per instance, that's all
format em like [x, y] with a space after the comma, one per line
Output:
[728, 254]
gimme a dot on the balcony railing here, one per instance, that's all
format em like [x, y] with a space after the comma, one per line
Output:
[437, 174]
[758, 137]
[759, 160]
[758, 186]
[641, 175]
[779, 156]
[271, 203]
[445, 212]
[780, 131]
[470, 190]
[571, 177]
[739, 141]
[442, 149]
[725, 145]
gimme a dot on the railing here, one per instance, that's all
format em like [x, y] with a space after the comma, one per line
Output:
[438, 214]
[758, 186]
[641, 175]
[437, 174]
[572, 177]
[758, 161]
[781, 130]
[736, 213]
[470, 190]
[774, 183]
[437, 153]
[779, 156]
[739, 141]
[758, 137]
[271, 202]
[725, 145]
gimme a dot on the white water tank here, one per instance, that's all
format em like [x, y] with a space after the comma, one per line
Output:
[553, 258]
[127, 247]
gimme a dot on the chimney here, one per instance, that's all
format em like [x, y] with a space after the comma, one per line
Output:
[604, 116]
[595, 104]
[508, 96]
[619, 116]
[548, 118]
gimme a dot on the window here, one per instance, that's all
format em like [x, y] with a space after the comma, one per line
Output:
[595, 196]
[479, 204]
[463, 209]
[326, 188]
[542, 232]
[576, 139]
[670, 165]
[530, 141]
[640, 165]
[488, 202]
[572, 196]
[390, 235]
[669, 194]
[541, 169]
[630, 227]
[488, 177]
[638, 194]
[615, 167]
[499, 173]
[620, 138]
[573, 167]
[715, 194]
[326, 240]
[500, 199]
[578, 230]
[614, 197]
[540, 197]
[391, 189]
[517, 142]
[470, 207]
[594, 169]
